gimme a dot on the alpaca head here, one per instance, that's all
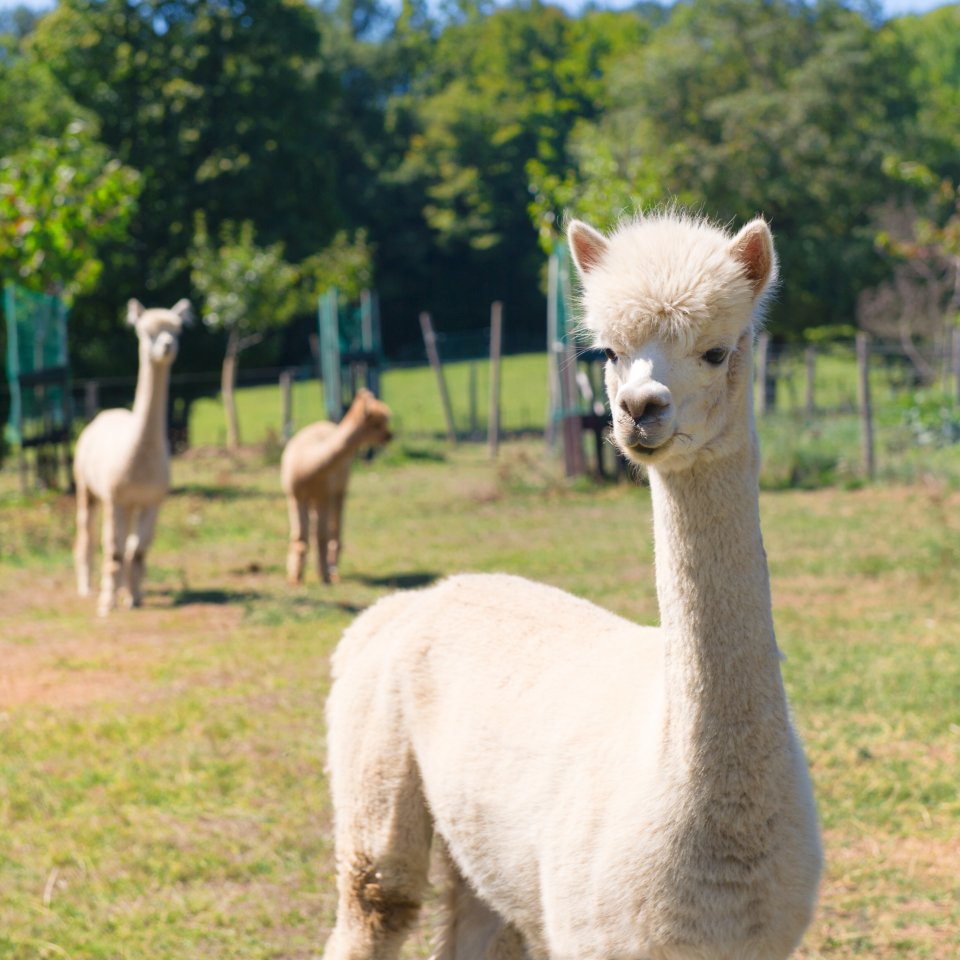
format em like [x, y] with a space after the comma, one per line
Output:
[374, 417]
[158, 330]
[674, 302]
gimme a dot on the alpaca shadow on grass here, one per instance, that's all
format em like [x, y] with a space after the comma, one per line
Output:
[397, 581]
[207, 491]
[186, 597]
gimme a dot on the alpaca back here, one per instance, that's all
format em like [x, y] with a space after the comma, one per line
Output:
[310, 459]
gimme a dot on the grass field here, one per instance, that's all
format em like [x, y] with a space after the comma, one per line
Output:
[162, 791]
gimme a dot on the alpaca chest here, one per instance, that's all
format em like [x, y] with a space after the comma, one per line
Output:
[677, 893]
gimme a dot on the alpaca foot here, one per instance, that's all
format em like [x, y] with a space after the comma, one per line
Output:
[105, 605]
[296, 561]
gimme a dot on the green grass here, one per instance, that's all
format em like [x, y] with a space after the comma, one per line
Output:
[161, 773]
[412, 394]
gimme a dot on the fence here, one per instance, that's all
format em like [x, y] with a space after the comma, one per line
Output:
[826, 401]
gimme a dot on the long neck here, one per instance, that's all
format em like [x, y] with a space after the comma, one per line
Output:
[726, 699]
[341, 444]
[150, 404]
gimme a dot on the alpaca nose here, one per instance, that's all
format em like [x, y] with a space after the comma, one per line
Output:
[646, 405]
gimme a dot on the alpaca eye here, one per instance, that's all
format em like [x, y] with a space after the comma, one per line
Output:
[611, 355]
[716, 356]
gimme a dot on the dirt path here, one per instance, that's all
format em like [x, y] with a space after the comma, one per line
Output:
[54, 651]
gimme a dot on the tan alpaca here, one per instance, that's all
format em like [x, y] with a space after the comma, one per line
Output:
[122, 462]
[314, 472]
[603, 790]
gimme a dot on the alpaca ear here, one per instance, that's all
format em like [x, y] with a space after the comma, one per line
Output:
[752, 247]
[134, 311]
[184, 311]
[586, 245]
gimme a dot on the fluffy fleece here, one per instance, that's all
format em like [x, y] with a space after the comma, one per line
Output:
[122, 462]
[314, 472]
[603, 790]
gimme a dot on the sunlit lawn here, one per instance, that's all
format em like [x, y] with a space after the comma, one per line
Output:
[162, 791]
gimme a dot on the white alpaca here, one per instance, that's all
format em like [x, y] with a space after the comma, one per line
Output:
[604, 791]
[122, 461]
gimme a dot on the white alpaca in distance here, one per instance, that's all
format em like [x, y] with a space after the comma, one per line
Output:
[122, 462]
[603, 791]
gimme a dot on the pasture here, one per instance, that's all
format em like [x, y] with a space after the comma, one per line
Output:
[161, 772]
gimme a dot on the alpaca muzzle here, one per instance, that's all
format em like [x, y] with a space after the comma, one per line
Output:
[646, 416]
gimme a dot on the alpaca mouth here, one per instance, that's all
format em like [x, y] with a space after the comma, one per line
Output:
[647, 449]
[645, 443]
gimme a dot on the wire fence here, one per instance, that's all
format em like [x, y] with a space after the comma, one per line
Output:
[873, 398]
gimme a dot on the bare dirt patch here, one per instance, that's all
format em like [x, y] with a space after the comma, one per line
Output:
[55, 651]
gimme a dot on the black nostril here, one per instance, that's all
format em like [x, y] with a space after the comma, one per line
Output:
[644, 411]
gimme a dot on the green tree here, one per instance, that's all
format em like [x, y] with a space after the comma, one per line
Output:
[246, 290]
[32, 102]
[781, 108]
[347, 264]
[934, 43]
[223, 105]
[61, 200]
[498, 92]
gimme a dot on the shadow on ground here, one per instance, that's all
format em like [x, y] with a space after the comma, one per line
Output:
[397, 581]
[225, 492]
[183, 598]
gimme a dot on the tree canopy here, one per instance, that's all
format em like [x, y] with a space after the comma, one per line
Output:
[435, 149]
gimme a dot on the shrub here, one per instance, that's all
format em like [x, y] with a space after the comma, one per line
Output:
[932, 418]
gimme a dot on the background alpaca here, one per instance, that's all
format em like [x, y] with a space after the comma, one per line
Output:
[122, 461]
[603, 790]
[314, 472]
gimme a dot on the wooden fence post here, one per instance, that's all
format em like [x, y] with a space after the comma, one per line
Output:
[956, 363]
[286, 392]
[763, 356]
[496, 337]
[91, 399]
[572, 425]
[810, 365]
[866, 408]
[472, 390]
[430, 342]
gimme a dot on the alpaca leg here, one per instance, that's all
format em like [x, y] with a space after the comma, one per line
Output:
[114, 534]
[86, 538]
[335, 535]
[472, 931]
[297, 547]
[135, 561]
[323, 541]
[383, 827]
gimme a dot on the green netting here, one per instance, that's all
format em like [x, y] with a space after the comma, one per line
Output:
[565, 400]
[559, 295]
[36, 345]
[345, 330]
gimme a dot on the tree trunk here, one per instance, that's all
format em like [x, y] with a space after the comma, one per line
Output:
[228, 380]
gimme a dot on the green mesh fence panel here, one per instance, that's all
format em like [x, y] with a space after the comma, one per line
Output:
[346, 331]
[36, 347]
[561, 339]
